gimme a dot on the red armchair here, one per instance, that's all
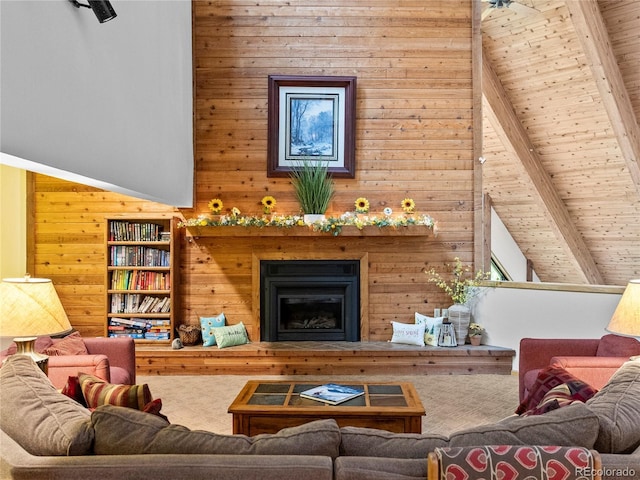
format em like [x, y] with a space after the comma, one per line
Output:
[112, 359]
[593, 361]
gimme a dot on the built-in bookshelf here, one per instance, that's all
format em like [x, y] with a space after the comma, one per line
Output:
[141, 273]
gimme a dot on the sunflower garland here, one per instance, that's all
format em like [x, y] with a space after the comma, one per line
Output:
[330, 224]
[215, 206]
[268, 204]
[362, 205]
[408, 205]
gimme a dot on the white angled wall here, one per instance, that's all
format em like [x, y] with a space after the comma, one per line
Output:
[109, 105]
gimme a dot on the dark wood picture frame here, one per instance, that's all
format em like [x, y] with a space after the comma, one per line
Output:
[323, 110]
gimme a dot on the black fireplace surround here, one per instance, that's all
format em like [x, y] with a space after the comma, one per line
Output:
[315, 300]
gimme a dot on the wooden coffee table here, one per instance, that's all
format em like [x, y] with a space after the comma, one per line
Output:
[264, 406]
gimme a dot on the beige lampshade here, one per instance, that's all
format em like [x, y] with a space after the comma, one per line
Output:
[30, 307]
[626, 318]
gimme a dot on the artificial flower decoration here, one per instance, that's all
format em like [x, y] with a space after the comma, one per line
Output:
[475, 329]
[387, 211]
[362, 205]
[216, 205]
[408, 205]
[330, 224]
[268, 203]
[461, 286]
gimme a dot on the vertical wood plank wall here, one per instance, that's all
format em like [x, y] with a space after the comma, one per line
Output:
[414, 138]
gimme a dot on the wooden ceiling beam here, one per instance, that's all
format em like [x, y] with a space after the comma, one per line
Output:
[594, 38]
[513, 136]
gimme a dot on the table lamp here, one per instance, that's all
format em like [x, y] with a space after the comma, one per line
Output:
[626, 317]
[30, 307]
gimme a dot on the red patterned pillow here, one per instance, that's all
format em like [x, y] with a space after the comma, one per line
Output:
[98, 392]
[72, 344]
[154, 407]
[557, 397]
[72, 390]
[514, 461]
[550, 378]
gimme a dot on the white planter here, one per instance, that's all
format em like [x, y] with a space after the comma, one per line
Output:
[311, 218]
[460, 317]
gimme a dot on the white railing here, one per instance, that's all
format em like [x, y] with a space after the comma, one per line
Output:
[510, 311]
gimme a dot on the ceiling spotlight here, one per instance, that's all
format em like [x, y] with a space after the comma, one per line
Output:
[102, 8]
[499, 3]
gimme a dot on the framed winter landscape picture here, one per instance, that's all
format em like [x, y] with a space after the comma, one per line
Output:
[311, 119]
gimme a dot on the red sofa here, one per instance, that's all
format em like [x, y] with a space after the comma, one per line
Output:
[593, 361]
[112, 359]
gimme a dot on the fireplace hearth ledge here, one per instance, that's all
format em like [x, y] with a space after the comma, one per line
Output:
[324, 358]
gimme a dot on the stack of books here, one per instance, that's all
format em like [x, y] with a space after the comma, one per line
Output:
[149, 329]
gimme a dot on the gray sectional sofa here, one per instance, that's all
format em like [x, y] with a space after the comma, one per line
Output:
[46, 435]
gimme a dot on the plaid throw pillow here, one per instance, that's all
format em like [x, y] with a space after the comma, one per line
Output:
[97, 392]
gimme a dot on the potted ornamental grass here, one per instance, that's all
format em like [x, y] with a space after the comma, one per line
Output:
[314, 189]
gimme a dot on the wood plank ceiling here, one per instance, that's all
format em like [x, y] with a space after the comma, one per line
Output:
[561, 141]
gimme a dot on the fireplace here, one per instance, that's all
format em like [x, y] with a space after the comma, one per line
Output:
[317, 300]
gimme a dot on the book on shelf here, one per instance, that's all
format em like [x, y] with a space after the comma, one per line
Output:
[149, 329]
[332, 393]
[138, 256]
[128, 321]
[125, 231]
[138, 336]
[138, 303]
[140, 280]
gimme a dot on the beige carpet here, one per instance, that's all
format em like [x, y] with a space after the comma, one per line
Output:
[451, 402]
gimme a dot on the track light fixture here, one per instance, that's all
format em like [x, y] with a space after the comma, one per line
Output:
[500, 3]
[102, 8]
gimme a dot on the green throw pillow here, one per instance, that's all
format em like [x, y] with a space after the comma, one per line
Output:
[231, 335]
[208, 324]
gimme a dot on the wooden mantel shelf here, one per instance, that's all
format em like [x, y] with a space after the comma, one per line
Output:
[308, 231]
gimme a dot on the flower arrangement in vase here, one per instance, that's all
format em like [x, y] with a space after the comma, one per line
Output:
[460, 289]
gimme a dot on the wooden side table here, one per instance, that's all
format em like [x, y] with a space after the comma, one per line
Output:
[264, 406]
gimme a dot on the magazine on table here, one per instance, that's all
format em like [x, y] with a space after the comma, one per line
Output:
[332, 393]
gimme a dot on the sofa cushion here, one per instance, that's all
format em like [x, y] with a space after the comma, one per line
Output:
[37, 416]
[575, 425]
[617, 406]
[379, 468]
[516, 462]
[122, 431]
[97, 391]
[549, 378]
[371, 442]
[208, 326]
[410, 334]
[617, 346]
[557, 397]
[231, 335]
[39, 346]
[72, 344]
[72, 390]
[432, 326]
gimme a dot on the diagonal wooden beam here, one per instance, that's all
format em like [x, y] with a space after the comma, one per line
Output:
[513, 136]
[592, 34]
